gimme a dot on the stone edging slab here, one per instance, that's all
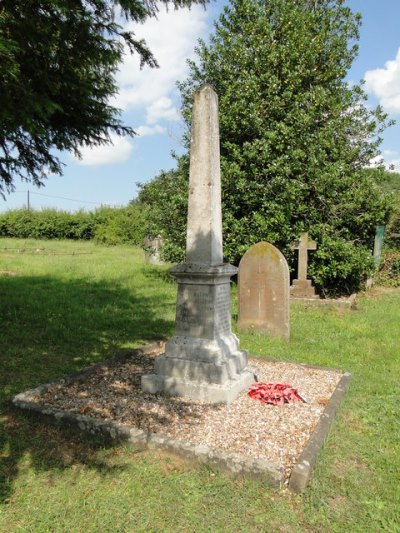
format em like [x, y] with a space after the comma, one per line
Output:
[233, 464]
[347, 303]
[301, 472]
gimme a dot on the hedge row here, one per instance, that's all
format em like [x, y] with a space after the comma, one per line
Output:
[106, 225]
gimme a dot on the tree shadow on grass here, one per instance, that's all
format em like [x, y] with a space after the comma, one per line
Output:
[50, 328]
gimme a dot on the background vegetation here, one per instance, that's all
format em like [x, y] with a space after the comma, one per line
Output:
[295, 139]
[104, 225]
[61, 312]
[145, 215]
[389, 270]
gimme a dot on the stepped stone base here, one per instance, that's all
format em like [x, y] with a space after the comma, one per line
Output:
[188, 358]
[211, 370]
[208, 392]
[303, 289]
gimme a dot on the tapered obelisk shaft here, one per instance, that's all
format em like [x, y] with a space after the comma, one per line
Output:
[204, 229]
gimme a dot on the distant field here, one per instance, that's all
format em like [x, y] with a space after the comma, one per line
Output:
[65, 305]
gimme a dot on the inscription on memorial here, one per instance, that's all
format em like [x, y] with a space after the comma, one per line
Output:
[194, 311]
[222, 310]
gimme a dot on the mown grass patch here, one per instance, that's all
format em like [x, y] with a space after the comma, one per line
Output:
[61, 313]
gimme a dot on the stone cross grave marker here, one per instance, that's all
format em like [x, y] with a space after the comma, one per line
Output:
[302, 287]
[264, 290]
[203, 361]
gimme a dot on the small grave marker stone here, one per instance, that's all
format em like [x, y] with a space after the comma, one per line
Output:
[152, 252]
[302, 287]
[264, 290]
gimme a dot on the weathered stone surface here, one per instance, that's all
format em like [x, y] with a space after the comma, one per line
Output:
[204, 228]
[195, 390]
[264, 290]
[302, 287]
[152, 252]
[203, 360]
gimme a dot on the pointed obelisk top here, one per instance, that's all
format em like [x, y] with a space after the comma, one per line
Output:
[204, 227]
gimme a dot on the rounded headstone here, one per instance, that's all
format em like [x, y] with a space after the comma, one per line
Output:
[264, 290]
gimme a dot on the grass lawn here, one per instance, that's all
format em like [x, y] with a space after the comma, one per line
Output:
[72, 304]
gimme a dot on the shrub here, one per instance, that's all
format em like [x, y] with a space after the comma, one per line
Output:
[389, 270]
[339, 266]
[119, 225]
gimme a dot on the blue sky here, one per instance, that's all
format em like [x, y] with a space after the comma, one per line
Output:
[150, 103]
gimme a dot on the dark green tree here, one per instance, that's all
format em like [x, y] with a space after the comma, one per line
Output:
[58, 59]
[295, 136]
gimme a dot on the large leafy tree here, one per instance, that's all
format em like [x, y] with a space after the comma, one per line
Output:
[295, 136]
[57, 64]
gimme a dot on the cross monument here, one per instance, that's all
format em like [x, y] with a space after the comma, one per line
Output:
[302, 287]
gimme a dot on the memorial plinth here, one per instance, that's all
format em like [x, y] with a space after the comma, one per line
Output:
[203, 360]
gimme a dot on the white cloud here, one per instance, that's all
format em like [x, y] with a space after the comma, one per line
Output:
[376, 161]
[394, 165]
[162, 108]
[171, 37]
[384, 83]
[143, 131]
[117, 152]
[390, 153]
[390, 162]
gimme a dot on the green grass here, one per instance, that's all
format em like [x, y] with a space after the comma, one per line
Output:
[64, 312]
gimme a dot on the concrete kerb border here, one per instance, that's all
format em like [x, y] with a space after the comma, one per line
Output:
[302, 470]
[233, 464]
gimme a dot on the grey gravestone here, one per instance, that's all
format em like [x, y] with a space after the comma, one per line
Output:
[203, 360]
[264, 290]
[152, 250]
[302, 287]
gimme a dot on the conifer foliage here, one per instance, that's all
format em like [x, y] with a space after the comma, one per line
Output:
[58, 59]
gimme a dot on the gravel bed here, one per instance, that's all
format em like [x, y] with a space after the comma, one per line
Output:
[248, 427]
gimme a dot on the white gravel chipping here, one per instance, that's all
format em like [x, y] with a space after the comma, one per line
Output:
[275, 433]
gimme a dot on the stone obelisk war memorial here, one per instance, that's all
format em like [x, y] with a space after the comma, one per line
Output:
[203, 360]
